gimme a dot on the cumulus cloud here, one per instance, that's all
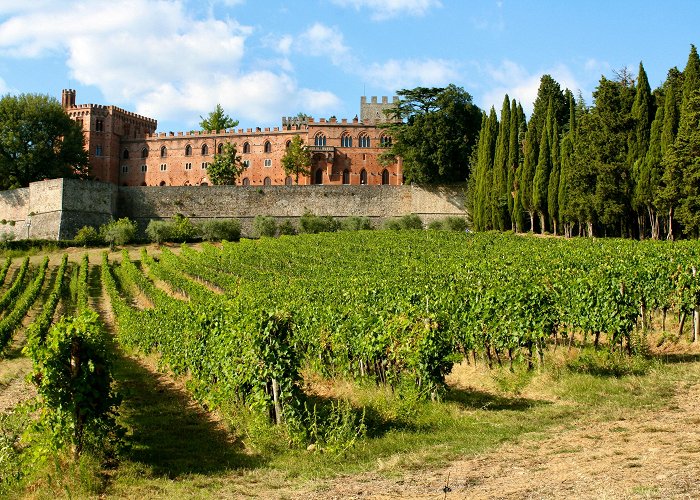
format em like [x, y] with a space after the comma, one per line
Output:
[160, 58]
[520, 84]
[325, 41]
[397, 74]
[386, 9]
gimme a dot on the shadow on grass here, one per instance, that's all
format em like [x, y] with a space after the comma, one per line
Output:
[481, 400]
[168, 433]
[676, 358]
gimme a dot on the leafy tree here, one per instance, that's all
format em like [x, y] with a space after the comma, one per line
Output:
[434, 131]
[226, 167]
[217, 120]
[297, 160]
[549, 94]
[118, 232]
[38, 140]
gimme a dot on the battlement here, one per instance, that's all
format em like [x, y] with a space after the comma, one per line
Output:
[374, 111]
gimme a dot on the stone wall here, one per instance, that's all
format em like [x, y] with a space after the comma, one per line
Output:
[58, 208]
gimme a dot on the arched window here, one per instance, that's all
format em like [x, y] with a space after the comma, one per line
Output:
[288, 181]
[318, 176]
[385, 141]
[220, 148]
[188, 150]
[289, 143]
[267, 181]
[268, 147]
[144, 153]
[163, 151]
[125, 154]
[364, 141]
[363, 176]
[204, 184]
[320, 140]
[385, 176]
[162, 183]
[346, 141]
[205, 150]
[246, 147]
[246, 181]
[346, 176]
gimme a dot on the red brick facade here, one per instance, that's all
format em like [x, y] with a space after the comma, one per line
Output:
[124, 149]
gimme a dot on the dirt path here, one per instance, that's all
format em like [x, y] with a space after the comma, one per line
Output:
[648, 455]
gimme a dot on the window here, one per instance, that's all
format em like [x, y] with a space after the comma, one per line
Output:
[289, 143]
[162, 183]
[268, 162]
[99, 126]
[246, 181]
[205, 165]
[246, 147]
[125, 154]
[188, 150]
[363, 176]
[144, 168]
[220, 148]
[268, 147]
[320, 140]
[144, 153]
[245, 163]
[205, 150]
[318, 176]
[346, 141]
[125, 169]
[346, 176]
[79, 121]
[385, 177]
[163, 151]
[385, 141]
[267, 181]
[188, 166]
[288, 181]
[163, 167]
[364, 141]
[98, 151]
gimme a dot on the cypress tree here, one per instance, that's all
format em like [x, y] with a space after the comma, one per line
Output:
[669, 194]
[691, 77]
[487, 145]
[527, 174]
[542, 171]
[648, 183]
[565, 176]
[513, 156]
[477, 176]
[554, 180]
[642, 112]
[500, 218]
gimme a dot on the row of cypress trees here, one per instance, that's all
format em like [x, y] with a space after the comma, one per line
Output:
[629, 165]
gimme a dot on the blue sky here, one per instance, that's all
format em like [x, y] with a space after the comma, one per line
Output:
[264, 59]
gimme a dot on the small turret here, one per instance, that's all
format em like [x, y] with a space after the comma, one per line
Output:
[68, 98]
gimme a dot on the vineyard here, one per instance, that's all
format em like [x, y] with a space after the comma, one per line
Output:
[248, 324]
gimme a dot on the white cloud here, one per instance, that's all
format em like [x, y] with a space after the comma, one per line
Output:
[397, 74]
[386, 9]
[324, 41]
[161, 59]
[520, 84]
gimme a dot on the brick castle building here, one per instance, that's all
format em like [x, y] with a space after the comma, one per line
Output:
[125, 149]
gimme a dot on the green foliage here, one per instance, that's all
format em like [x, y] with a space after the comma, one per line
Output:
[38, 140]
[221, 229]
[610, 364]
[434, 131]
[88, 236]
[159, 231]
[297, 160]
[118, 232]
[17, 286]
[449, 224]
[409, 221]
[287, 228]
[36, 333]
[337, 429]
[217, 120]
[226, 167]
[265, 226]
[355, 224]
[72, 373]
[313, 224]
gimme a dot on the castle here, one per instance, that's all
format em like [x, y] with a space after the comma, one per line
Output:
[124, 148]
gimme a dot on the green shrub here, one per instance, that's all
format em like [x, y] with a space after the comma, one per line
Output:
[451, 223]
[264, 226]
[183, 229]
[611, 364]
[218, 230]
[5, 237]
[409, 221]
[88, 236]
[159, 231]
[118, 232]
[436, 225]
[287, 227]
[355, 224]
[312, 224]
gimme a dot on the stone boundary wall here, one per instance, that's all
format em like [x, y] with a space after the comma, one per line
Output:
[58, 208]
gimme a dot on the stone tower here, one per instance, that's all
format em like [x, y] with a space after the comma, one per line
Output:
[373, 111]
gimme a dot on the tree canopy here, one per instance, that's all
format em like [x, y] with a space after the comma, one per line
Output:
[297, 160]
[434, 131]
[226, 167]
[217, 120]
[38, 140]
